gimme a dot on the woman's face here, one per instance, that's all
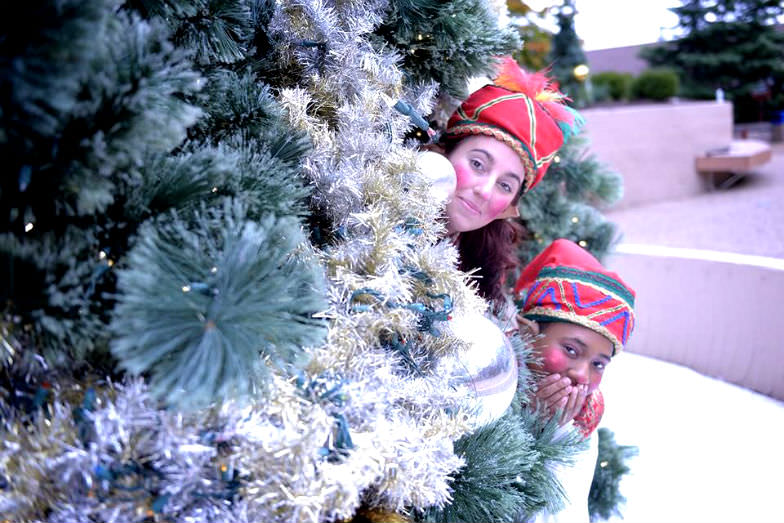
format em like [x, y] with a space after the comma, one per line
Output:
[573, 351]
[489, 176]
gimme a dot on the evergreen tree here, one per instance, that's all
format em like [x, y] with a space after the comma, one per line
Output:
[732, 45]
[605, 497]
[119, 183]
[567, 53]
[537, 41]
[569, 201]
[446, 42]
[225, 288]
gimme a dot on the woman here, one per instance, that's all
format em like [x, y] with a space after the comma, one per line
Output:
[500, 142]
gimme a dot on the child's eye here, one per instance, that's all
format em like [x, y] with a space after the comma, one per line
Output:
[570, 350]
[599, 365]
[476, 164]
[505, 187]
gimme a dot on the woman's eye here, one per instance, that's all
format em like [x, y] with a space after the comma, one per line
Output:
[476, 164]
[505, 187]
[570, 350]
[599, 365]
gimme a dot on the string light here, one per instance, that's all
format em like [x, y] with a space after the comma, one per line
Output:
[214, 270]
[583, 243]
[575, 219]
[214, 189]
[102, 255]
[29, 226]
[420, 37]
[186, 288]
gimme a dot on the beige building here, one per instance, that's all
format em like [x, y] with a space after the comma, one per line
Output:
[624, 59]
[619, 59]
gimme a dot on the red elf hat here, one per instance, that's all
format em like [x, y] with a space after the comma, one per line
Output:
[566, 283]
[524, 111]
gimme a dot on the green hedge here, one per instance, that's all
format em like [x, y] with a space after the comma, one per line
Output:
[655, 84]
[616, 85]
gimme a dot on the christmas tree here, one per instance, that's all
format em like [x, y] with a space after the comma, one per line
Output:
[569, 201]
[227, 295]
[567, 57]
[728, 45]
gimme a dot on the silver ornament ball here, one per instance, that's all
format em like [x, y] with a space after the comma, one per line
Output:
[486, 368]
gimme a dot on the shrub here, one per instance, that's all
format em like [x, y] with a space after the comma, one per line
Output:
[617, 85]
[655, 84]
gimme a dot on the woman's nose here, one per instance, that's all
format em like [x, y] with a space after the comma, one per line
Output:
[485, 187]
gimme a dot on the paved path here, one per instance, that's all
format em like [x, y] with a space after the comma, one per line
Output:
[747, 218]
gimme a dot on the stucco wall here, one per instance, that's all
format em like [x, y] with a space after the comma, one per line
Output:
[717, 313]
[624, 59]
[654, 146]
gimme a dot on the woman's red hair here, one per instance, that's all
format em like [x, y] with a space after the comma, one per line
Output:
[492, 251]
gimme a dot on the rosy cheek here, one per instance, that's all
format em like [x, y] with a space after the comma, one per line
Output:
[554, 360]
[498, 205]
[463, 177]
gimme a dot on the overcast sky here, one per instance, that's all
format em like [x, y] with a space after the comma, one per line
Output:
[602, 24]
[616, 23]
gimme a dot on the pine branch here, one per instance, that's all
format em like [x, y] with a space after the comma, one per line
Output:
[202, 305]
[446, 42]
[507, 476]
[605, 498]
[217, 31]
[569, 201]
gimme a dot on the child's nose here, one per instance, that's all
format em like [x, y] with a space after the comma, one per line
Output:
[579, 373]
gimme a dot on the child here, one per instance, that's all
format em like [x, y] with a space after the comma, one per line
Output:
[500, 142]
[584, 314]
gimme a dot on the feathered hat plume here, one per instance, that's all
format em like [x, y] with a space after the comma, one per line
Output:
[543, 89]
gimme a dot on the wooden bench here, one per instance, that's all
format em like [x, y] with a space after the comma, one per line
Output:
[725, 166]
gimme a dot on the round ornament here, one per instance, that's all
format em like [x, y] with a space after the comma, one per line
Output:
[437, 168]
[487, 367]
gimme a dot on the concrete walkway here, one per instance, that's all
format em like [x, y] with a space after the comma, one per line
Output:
[746, 218]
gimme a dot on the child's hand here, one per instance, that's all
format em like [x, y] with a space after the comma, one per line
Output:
[556, 393]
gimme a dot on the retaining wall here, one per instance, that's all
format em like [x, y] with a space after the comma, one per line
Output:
[715, 312]
[654, 146]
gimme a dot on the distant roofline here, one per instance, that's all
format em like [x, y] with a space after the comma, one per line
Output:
[778, 27]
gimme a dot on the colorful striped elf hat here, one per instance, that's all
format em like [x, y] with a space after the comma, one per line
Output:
[566, 283]
[524, 111]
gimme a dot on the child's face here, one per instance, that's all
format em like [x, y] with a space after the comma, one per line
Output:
[573, 351]
[489, 176]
